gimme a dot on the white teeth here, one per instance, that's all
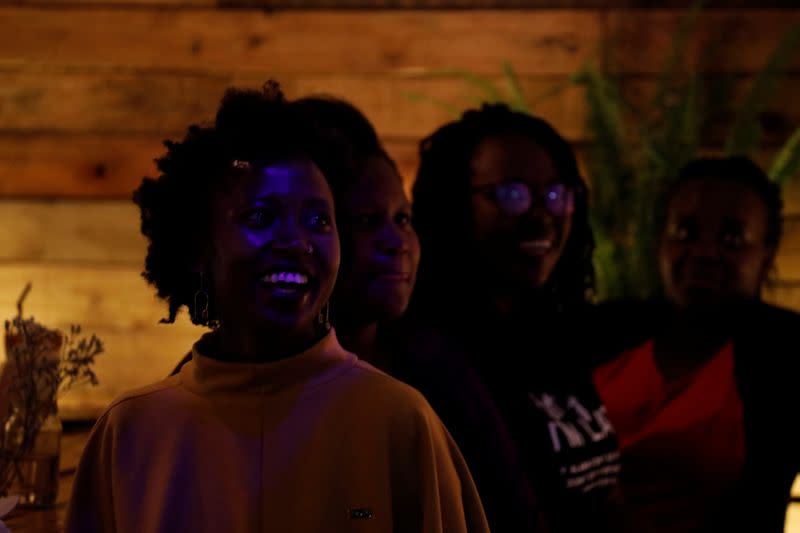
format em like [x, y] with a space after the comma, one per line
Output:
[286, 277]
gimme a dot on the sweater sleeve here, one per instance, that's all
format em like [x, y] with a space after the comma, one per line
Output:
[91, 505]
[433, 489]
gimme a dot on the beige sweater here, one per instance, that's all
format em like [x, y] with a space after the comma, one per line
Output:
[320, 442]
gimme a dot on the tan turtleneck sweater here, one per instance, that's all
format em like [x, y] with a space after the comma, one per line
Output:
[320, 442]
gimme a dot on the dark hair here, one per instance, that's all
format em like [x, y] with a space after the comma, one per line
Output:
[257, 127]
[353, 138]
[741, 170]
[442, 215]
[349, 134]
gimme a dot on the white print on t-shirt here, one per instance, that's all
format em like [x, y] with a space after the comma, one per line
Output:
[600, 471]
[568, 421]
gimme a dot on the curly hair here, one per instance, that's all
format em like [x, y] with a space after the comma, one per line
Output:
[260, 127]
[735, 169]
[442, 215]
[348, 132]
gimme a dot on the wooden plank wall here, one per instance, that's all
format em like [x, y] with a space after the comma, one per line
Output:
[90, 88]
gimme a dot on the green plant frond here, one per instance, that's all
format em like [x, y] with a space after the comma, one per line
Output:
[673, 63]
[436, 102]
[482, 83]
[692, 115]
[786, 164]
[551, 91]
[517, 100]
[605, 116]
[679, 136]
[746, 131]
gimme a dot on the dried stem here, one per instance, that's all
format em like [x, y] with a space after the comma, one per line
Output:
[44, 363]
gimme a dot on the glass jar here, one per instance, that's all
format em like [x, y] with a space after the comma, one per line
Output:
[36, 479]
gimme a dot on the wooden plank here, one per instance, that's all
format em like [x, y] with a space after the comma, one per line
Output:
[91, 166]
[147, 103]
[76, 165]
[787, 263]
[784, 295]
[116, 304]
[539, 42]
[745, 39]
[411, 4]
[63, 231]
[791, 196]
[113, 297]
[34, 99]
[495, 4]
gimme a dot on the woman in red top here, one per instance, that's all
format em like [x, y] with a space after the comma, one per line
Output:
[698, 393]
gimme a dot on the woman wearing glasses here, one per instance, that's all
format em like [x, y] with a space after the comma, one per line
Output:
[501, 213]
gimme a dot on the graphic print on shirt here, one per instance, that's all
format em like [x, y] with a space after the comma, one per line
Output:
[583, 439]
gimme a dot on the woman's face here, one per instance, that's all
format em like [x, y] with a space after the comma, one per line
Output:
[380, 248]
[521, 210]
[713, 249]
[274, 249]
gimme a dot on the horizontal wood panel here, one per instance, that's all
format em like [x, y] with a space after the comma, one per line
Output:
[742, 40]
[132, 360]
[399, 106]
[75, 165]
[117, 305]
[91, 166]
[161, 103]
[416, 4]
[784, 295]
[94, 296]
[89, 232]
[791, 197]
[537, 42]
[787, 263]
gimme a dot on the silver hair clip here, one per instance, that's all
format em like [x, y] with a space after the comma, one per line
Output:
[241, 165]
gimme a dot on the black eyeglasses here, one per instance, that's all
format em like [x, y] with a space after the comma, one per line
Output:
[515, 198]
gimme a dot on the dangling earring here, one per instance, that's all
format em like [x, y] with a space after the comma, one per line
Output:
[201, 304]
[324, 318]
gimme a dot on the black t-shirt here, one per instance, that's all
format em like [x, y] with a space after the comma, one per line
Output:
[570, 451]
[559, 435]
[539, 380]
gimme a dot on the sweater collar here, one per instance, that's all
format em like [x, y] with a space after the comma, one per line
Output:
[321, 362]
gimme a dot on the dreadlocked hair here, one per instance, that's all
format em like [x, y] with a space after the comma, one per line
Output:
[259, 127]
[441, 210]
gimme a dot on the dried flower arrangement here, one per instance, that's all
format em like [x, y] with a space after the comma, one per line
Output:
[41, 364]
